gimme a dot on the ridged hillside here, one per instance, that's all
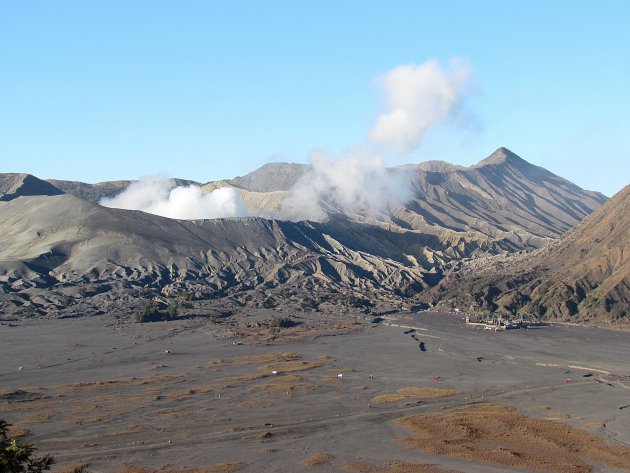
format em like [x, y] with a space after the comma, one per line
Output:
[584, 276]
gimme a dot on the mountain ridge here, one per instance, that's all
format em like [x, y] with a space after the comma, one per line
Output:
[63, 255]
[583, 276]
[13, 185]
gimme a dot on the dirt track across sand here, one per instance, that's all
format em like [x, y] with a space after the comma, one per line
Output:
[174, 394]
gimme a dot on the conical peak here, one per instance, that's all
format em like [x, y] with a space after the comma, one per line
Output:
[502, 156]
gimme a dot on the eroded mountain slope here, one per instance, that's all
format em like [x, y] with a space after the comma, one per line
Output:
[60, 251]
[502, 196]
[584, 276]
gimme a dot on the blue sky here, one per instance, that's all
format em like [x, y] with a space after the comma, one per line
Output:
[204, 90]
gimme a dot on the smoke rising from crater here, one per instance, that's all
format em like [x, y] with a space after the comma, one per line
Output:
[417, 97]
[357, 181]
[162, 197]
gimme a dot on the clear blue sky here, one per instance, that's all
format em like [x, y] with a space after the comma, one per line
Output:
[101, 90]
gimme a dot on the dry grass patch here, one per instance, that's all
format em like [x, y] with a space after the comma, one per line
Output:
[290, 366]
[223, 468]
[283, 388]
[92, 410]
[251, 404]
[228, 382]
[38, 418]
[317, 458]
[148, 394]
[95, 385]
[179, 394]
[289, 384]
[287, 378]
[16, 431]
[274, 357]
[159, 379]
[85, 420]
[150, 391]
[77, 409]
[216, 385]
[330, 379]
[89, 386]
[134, 469]
[34, 404]
[109, 398]
[114, 403]
[133, 429]
[81, 467]
[175, 414]
[218, 468]
[412, 394]
[596, 425]
[395, 468]
[496, 434]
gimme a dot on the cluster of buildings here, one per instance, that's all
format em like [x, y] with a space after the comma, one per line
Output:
[500, 322]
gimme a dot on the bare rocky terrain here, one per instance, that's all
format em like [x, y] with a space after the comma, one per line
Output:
[62, 254]
[69, 256]
[582, 277]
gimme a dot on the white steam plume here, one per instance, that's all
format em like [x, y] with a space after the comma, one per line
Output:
[417, 96]
[357, 181]
[161, 197]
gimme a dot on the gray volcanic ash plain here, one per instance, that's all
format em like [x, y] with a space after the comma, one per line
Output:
[414, 393]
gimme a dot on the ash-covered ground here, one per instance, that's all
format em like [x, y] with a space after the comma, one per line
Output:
[332, 393]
